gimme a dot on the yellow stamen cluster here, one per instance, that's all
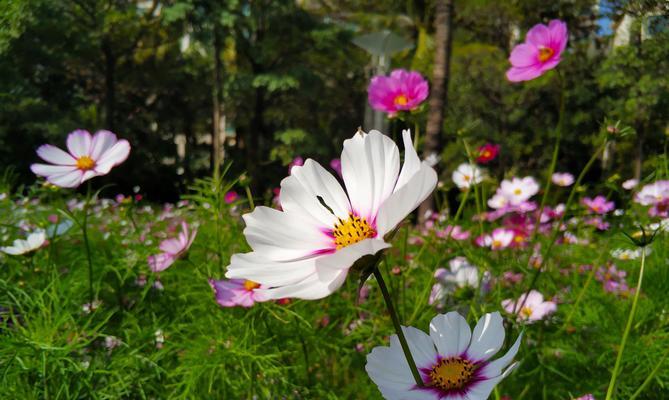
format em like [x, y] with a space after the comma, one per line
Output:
[452, 373]
[526, 312]
[401, 100]
[545, 53]
[85, 163]
[351, 231]
[250, 285]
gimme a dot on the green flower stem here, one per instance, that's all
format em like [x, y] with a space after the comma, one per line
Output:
[398, 327]
[556, 228]
[628, 328]
[84, 231]
[470, 157]
[556, 151]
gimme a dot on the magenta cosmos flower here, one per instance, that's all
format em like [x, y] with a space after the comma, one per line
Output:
[172, 249]
[453, 362]
[598, 205]
[236, 292]
[541, 51]
[401, 91]
[88, 157]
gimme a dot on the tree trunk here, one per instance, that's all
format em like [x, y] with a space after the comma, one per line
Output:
[433, 144]
[216, 117]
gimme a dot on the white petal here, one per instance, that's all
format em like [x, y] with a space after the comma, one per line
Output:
[370, 166]
[79, 143]
[67, 180]
[113, 157]
[420, 344]
[389, 370]
[36, 239]
[404, 201]
[450, 333]
[299, 194]
[487, 338]
[47, 170]
[102, 141]
[481, 390]
[346, 256]
[411, 163]
[282, 236]
[311, 288]
[495, 368]
[252, 266]
[54, 155]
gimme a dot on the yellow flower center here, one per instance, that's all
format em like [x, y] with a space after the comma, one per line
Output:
[526, 312]
[496, 243]
[467, 178]
[545, 53]
[517, 192]
[401, 100]
[250, 285]
[351, 231]
[519, 238]
[451, 373]
[85, 163]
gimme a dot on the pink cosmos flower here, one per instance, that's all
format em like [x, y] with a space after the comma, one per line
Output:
[453, 232]
[231, 197]
[598, 205]
[236, 292]
[297, 162]
[499, 239]
[562, 179]
[656, 195]
[401, 91]
[630, 184]
[586, 397]
[172, 249]
[335, 164]
[534, 307]
[541, 51]
[88, 157]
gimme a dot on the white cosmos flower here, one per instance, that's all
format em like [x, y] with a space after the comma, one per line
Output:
[627, 254]
[466, 175]
[518, 190]
[33, 242]
[306, 250]
[453, 362]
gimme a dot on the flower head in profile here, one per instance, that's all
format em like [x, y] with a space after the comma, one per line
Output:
[401, 91]
[306, 250]
[467, 175]
[598, 205]
[532, 307]
[34, 241]
[563, 179]
[236, 292]
[459, 275]
[453, 362]
[172, 249]
[655, 194]
[87, 157]
[541, 52]
[487, 153]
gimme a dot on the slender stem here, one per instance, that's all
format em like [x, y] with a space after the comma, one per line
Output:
[250, 197]
[398, 327]
[470, 157]
[556, 228]
[628, 328]
[84, 229]
[416, 132]
[650, 377]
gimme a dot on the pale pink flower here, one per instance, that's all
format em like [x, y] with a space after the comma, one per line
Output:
[630, 184]
[562, 179]
[499, 239]
[172, 249]
[236, 292]
[656, 195]
[534, 308]
[542, 51]
[453, 232]
[598, 205]
[401, 91]
[88, 157]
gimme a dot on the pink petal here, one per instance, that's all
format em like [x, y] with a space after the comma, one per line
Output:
[67, 180]
[113, 157]
[160, 262]
[524, 55]
[54, 155]
[79, 143]
[559, 35]
[539, 36]
[102, 141]
[48, 170]
[171, 246]
[523, 74]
